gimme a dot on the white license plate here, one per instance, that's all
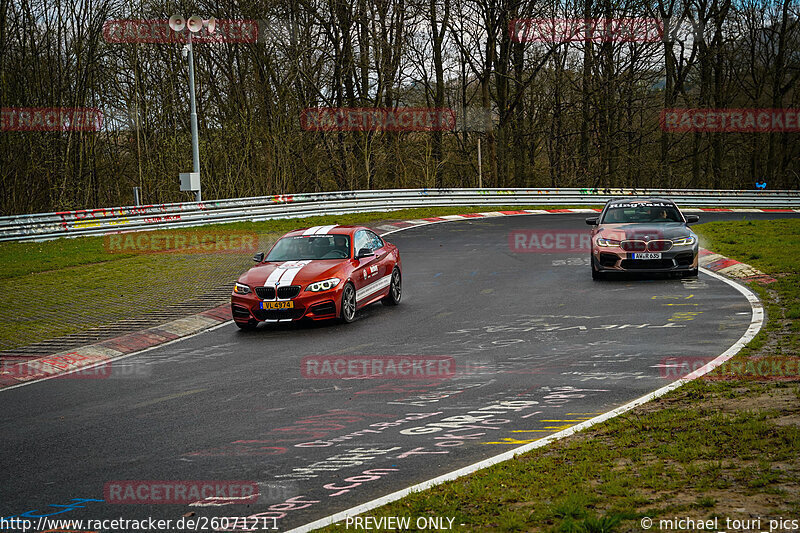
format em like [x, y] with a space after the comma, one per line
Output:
[647, 255]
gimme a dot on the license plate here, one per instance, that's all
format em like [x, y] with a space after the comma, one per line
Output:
[647, 255]
[277, 305]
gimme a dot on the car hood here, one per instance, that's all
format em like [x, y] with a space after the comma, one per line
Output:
[292, 272]
[640, 231]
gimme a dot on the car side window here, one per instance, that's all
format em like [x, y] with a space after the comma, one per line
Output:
[376, 241]
[362, 240]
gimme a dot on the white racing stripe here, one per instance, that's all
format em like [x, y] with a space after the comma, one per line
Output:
[323, 230]
[274, 276]
[290, 273]
[319, 230]
[285, 272]
[373, 287]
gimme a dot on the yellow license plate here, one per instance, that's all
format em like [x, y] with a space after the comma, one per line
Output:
[277, 305]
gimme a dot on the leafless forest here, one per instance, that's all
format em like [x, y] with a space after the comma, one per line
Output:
[581, 113]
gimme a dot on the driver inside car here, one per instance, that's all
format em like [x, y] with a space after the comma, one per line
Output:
[340, 242]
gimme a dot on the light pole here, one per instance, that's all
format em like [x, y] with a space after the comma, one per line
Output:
[195, 142]
[191, 181]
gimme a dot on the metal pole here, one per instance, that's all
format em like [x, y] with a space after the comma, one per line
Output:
[480, 175]
[195, 144]
[137, 200]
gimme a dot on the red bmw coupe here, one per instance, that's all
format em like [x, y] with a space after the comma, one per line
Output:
[318, 273]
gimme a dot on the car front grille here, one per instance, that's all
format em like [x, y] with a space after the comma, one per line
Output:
[658, 245]
[633, 246]
[289, 291]
[265, 293]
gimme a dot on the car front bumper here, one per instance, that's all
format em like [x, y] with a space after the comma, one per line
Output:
[614, 259]
[309, 305]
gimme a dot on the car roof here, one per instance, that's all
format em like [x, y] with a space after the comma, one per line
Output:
[331, 229]
[637, 200]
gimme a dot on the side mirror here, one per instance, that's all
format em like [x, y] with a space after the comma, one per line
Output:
[691, 219]
[259, 257]
[364, 252]
[592, 221]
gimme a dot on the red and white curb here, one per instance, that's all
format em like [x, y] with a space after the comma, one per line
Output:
[731, 267]
[63, 363]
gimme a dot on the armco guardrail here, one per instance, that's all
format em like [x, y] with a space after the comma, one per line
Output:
[101, 221]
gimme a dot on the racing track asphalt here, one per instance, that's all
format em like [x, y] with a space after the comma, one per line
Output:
[532, 329]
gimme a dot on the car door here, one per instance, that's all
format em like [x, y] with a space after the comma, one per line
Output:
[365, 270]
[370, 271]
[382, 255]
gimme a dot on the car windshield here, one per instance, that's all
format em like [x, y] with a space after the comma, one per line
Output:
[303, 247]
[642, 212]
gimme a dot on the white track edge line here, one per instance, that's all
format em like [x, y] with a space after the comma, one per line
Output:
[756, 323]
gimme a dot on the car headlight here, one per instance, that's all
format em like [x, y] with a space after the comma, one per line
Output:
[240, 288]
[684, 241]
[607, 242]
[326, 285]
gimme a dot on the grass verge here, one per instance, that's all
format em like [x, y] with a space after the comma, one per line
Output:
[723, 447]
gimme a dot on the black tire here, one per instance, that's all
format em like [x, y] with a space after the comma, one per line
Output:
[348, 304]
[395, 289]
[247, 326]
